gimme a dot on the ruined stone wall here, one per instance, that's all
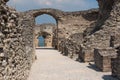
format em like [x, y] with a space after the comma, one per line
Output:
[116, 65]
[106, 26]
[103, 33]
[76, 22]
[71, 46]
[68, 23]
[72, 30]
[103, 28]
[115, 42]
[16, 48]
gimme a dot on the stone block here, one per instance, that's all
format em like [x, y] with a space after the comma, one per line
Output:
[102, 58]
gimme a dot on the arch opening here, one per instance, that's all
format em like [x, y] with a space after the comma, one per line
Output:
[44, 19]
[45, 26]
[44, 39]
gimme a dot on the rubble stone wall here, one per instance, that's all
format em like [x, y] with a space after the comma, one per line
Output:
[116, 40]
[116, 65]
[71, 46]
[16, 47]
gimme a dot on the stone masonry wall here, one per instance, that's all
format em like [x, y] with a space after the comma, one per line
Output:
[72, 45]
[16, 48]
[116, 65]
[73, 27]
[105, 27]
[116, 41]
[76, 22]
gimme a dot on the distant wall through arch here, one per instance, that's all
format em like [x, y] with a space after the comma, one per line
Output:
[46, 31]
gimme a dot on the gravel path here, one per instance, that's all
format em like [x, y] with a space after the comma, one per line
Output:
[51, 65]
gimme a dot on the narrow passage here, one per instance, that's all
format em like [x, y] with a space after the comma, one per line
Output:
[51, 65]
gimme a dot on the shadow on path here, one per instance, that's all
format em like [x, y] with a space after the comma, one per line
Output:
[105, 77]
[94, 67]
[108, 77]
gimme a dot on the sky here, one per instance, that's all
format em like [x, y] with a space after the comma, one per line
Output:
[64, 5]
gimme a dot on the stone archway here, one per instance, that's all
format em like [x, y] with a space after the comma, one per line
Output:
[47, 42]
[41, 42]
[46, 31]
[55, 13]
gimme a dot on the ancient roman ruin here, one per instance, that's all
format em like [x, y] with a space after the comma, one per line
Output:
[90, 35]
